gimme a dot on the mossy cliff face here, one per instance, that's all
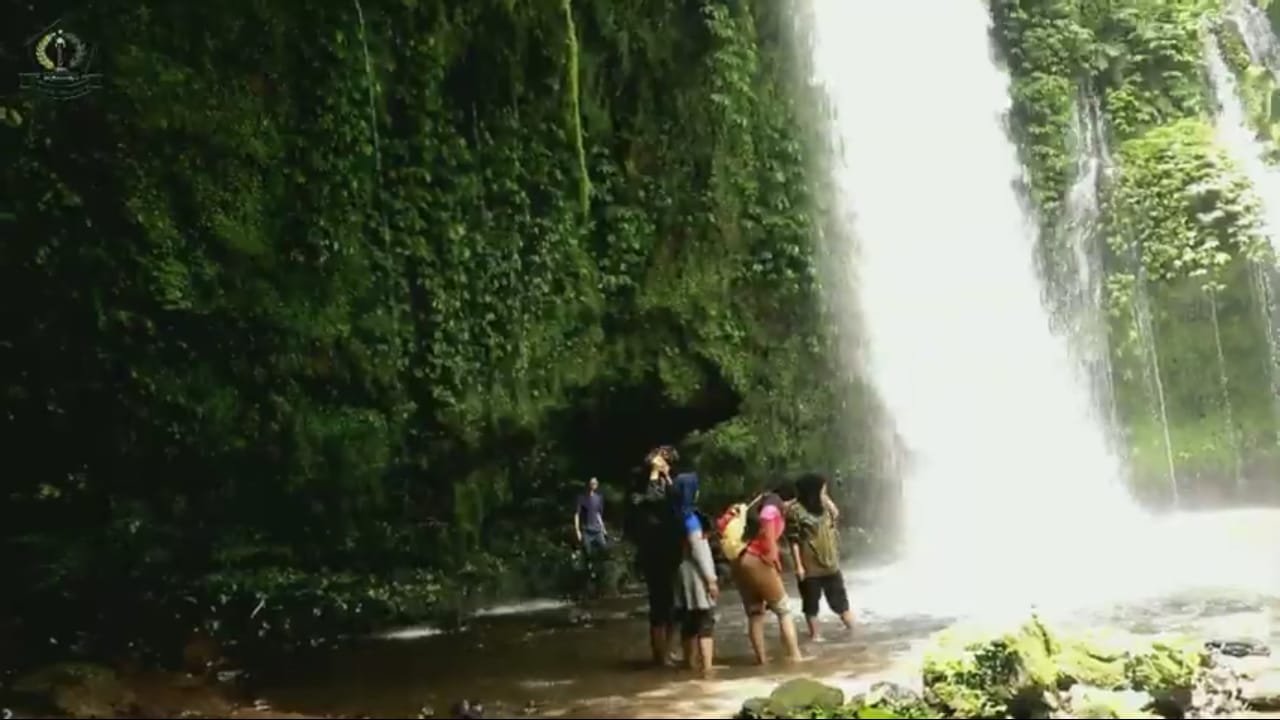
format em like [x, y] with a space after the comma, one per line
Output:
[1028, 672]
[1180, 224]
[381, 284]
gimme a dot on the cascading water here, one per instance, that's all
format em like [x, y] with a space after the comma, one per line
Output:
[1224, 386]
[1255, 30]
[1082, 281]
[998, 423]
[1242, 144]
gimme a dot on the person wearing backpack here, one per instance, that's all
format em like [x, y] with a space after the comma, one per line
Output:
[757, 573]
[815, 552]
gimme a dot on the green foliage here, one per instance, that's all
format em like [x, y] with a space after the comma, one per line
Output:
[1047, 47]
[1181, 206]
[1182, 226]
[367, 291]
[1029, 671]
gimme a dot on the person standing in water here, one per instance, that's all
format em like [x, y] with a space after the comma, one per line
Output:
[815, 552]
[653, 527]
[589, 529]
[697, 587]
[757, 573]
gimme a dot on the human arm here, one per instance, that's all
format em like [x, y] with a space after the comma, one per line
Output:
[772, 526]
[796, 561]
[830, 504]
[577, 523]
[700, 549]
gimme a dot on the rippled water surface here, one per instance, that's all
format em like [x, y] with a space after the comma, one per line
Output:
[1215, 576]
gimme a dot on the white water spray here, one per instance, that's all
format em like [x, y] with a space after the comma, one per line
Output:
[1003, 439]
[1084, 281]
[1241, 141]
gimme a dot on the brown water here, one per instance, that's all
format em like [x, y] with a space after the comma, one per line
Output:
[555, 662]
[561, 661]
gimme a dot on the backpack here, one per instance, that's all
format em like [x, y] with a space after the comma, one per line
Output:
[825, 544]
[732, 525]
[817, 537]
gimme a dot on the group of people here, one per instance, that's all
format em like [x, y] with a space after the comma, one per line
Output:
[675, 554]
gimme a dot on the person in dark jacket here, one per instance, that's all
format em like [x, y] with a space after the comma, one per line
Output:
[657, 536]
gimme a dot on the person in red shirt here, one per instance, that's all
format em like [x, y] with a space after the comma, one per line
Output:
[757, 573]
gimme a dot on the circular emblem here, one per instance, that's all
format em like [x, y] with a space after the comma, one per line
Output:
[60, 51]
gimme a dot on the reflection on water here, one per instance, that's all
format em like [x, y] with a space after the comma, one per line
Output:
[571, 663]
[549, 659]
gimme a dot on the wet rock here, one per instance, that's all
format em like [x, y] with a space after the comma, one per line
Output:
[799, 697]
[1010, 675]
[1239, 647]
[1032, 671]
[1091, 702]
[886, 699]
[1168, 672]
[1262, 692]
[77, 690]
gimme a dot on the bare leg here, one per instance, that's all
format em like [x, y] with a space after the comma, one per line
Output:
[706, 650]
[787, 625]
[812, 622]
[846, 617]
[755, 631]
[690, 652]
[658, 643]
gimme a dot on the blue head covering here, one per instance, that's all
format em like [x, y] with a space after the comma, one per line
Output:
[686, 496]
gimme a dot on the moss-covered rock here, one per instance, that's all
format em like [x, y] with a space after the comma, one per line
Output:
[1032, 671]
[1091, 702]
[1010, 674]
[888, 700]
[1095, 658]
[1167, 670]
[800, 697]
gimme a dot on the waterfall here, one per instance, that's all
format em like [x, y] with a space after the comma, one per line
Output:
[1243, 146]
[998, 424]
[1224, 386]
[1081, 281]
[1151, 370]
[1241, 141]
[1255, 30]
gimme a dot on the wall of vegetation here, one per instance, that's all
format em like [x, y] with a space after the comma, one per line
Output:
[323, 315]
[1187, 265]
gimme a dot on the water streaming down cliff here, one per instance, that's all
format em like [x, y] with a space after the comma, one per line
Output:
[1255, 30]
[1242, 144]
[998, 422]
[1241, 141]
[1080, 284]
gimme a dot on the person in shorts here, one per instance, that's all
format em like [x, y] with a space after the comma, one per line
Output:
[815, 552]
[757, 573]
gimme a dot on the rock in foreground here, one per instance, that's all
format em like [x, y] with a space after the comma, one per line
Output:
[1034, 672]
